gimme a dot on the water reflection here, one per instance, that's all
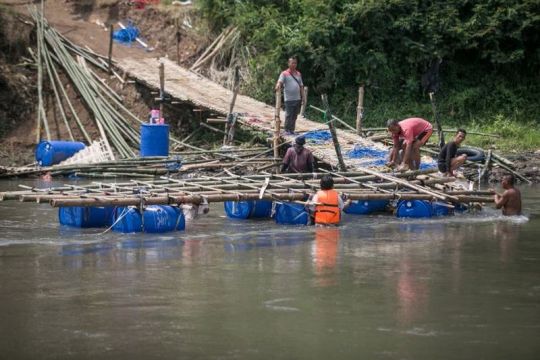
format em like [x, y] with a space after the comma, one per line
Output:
[507, 233]
[325, 253]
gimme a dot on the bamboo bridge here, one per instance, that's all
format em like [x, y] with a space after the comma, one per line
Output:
[187, 86]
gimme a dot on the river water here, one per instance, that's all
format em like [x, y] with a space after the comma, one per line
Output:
[463, 287]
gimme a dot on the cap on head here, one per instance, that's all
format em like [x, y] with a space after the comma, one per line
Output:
[300, 140]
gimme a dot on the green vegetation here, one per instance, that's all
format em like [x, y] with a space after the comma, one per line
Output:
[490, 53]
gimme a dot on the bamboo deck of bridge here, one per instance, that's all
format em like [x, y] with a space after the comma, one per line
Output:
[193, 88]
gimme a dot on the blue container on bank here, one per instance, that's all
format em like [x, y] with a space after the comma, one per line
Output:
[53, 152]
[291, 214]
[154, 140]
[366, 207]
[85, 217]
[248, 209]
[154, 219]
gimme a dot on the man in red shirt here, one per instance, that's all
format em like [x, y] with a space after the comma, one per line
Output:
[410, 135]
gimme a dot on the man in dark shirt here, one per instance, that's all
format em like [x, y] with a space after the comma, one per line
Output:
[298, 159]
[448, 161]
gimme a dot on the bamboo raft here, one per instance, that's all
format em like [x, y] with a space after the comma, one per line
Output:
[365, 184]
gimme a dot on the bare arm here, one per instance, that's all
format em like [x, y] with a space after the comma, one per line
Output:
[501, 200]
[279, 85]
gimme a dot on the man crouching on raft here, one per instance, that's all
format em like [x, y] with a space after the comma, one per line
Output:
[410, 135]
[328, 203]
[510, 200]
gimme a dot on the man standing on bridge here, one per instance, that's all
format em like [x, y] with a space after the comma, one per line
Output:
[293, 91]
[410, 135]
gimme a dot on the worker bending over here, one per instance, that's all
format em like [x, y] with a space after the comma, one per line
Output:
[510, 200]
[408, 135]
[328, 203]
[298, 159]
[448, 162]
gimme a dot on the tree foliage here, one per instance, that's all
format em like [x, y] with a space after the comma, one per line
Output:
[389, 44]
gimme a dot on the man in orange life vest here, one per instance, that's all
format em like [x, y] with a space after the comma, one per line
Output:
[328, 203]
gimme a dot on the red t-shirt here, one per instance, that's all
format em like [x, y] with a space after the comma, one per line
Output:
[411, 128]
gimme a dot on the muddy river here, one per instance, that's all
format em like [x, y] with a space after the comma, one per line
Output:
[462, 287]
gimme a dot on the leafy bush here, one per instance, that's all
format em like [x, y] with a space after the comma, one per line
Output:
[489, 50]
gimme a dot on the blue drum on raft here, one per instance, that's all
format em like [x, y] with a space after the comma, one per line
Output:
[154, 140]
[359, 207]
[291, 214]
[421, 209]
[154, 219]
[85, 217]
[248, 209]
[53, 152]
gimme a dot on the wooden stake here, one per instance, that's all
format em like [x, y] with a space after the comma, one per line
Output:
[335, 140]
[178, 39]
[231, 119]
[304, 103]
[161, 88]
[277, 123]
[360, 111]
[109, 57]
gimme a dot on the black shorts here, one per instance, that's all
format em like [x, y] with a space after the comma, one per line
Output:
[418, 138]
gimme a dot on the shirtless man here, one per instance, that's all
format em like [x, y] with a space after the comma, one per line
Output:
[510, 200]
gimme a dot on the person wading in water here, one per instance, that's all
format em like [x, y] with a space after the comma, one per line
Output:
[328, 204]
[298, 159]
[448, 162]
[510, 200]
[410, 135]
[293, 92]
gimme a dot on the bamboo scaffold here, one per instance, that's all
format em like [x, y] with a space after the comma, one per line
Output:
[287, 187]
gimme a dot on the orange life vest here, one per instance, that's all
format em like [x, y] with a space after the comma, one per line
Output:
[328, 211]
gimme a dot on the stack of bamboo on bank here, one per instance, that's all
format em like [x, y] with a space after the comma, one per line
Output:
[246, 159]
[56, 55]
[365, 184]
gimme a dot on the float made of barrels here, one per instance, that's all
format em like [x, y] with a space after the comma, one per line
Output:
[155, 206]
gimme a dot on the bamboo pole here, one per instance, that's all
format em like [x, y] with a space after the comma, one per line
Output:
[109, 56]
[304, 103]
[277, 123]
[161, 88]
[360, 110]
[231, 119]
[397, 180]
[335, 140]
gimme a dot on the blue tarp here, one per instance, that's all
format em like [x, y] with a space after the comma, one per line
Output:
[127, 35]
[318, 136]
[359, 152]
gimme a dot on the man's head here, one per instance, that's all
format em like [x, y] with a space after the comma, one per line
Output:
[508, 181]
[293, 62]
[300, 141]
[393, 126]
[327, 183]
[460, 136]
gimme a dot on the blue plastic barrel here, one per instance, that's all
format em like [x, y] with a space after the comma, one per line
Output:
[291, 214]
[358, 207]
[155, 219]
[439, 209]
[248, 209]
[52, 152]
[154, 140]
[85, 217]
[414, 209]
